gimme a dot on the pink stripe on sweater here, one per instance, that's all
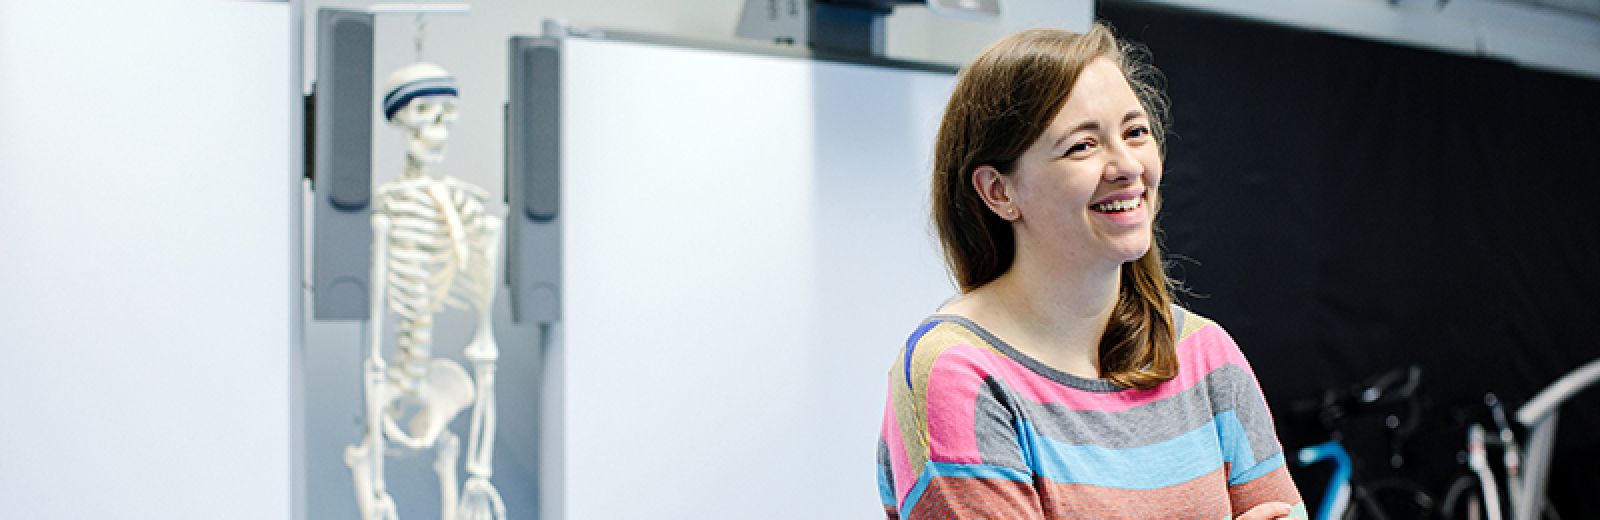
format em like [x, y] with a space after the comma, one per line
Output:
[1203, 351]
[899, 463]
[952, 395]
[957, 377]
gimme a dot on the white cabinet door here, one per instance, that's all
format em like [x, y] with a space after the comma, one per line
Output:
[145, 267]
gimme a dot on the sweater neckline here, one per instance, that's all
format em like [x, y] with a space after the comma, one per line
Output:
[1029, 362]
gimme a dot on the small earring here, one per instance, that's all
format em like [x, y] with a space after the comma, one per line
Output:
[1011, 212]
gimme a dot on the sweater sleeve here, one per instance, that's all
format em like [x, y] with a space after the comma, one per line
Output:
[1257, 469]
[949, 446]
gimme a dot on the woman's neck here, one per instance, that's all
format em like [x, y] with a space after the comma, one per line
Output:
[1055, 311]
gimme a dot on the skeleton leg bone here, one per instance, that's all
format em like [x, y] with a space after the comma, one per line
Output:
[375, 504]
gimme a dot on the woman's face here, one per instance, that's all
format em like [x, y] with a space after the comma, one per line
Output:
[1085, 188]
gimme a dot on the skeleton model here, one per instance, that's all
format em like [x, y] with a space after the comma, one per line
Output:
[433, 245]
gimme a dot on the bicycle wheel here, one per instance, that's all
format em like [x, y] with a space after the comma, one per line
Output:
[1391, 499]
[1462, 500]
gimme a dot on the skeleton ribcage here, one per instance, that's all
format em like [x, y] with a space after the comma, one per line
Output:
[434, 260]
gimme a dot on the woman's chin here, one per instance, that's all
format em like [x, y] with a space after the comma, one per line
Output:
[1132, 251]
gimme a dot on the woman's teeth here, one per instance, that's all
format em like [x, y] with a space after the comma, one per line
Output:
[1117, 206]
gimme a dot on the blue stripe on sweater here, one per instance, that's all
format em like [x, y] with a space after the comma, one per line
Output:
[1240, 454]
[1245, 475]
[1175, 461]
[1183, 458]
[933, 470]
[911, 346]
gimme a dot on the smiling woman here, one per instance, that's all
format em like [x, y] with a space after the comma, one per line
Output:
[1007, 121]
[1062, 382]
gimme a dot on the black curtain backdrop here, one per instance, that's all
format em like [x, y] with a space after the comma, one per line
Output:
[1345, 207]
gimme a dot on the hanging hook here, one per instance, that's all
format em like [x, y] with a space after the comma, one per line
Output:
[422, 27]
[420, 8]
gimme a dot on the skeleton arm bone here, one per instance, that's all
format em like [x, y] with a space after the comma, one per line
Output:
[480, 444]
[366, 459]
[480, 498]
[376, 284]
[484, 354]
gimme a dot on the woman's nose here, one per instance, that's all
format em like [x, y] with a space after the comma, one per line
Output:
[1121, 164]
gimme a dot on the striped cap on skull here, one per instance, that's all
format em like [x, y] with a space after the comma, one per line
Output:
[414, 81]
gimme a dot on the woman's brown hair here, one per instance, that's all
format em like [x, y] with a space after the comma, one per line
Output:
[1002, 103]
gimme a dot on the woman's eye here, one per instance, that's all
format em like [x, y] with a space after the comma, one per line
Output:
[1081, 146]
[1137, 132]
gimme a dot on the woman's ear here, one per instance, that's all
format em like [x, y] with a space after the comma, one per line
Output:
[995, 189]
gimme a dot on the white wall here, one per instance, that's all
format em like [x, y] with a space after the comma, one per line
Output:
[746, 246]
[143, 298]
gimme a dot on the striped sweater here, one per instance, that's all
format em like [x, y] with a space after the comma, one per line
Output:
[974, 428]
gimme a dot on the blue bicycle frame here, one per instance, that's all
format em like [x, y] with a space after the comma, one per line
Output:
[1337, 498]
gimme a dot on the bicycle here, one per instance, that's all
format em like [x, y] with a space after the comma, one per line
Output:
[1334, 410]
[1526, 468]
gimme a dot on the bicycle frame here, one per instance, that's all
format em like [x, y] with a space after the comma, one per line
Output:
[1539, 418]
[1337, 498]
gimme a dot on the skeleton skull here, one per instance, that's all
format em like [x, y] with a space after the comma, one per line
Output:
[421, 100]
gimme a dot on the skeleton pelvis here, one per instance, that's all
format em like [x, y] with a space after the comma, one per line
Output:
[442, 394]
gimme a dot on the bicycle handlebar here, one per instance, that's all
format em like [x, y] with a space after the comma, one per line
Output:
[1552, 396]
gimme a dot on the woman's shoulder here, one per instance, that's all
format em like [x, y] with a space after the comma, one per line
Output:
[954, 326]
[1187, 323]
[1202, 338]
[951, 344]
[940, 333]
